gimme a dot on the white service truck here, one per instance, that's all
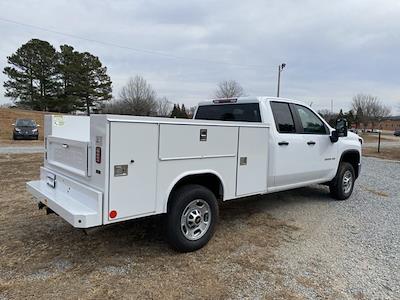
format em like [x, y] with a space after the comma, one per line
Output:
[106, 169]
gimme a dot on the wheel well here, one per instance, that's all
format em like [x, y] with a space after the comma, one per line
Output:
[352, 157]
[208, 180]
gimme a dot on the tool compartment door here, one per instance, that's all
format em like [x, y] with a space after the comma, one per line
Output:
[252, 161]
[133, 169]
[70, 155]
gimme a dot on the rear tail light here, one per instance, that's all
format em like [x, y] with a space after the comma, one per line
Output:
[98, 155]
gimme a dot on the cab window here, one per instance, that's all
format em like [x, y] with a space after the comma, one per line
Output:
[243, 112]
[283, 117]
[310, 121]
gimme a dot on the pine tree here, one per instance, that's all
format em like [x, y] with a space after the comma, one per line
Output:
[69, 69]
[350, 117]
[93, 84]
[33, 78]
[42, 79]
[176, 111]
[183, 113]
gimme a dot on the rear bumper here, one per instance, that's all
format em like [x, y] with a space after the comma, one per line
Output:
[79, 205]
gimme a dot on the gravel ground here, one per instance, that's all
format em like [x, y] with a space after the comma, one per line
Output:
[345, 249]
[297, 244]
[21, 149]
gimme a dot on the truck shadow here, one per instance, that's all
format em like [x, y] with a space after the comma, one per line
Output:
[151, 230]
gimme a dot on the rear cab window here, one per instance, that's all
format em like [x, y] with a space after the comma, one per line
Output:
[242, 112]
[283, 117]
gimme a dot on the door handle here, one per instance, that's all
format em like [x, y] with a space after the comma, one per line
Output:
[311, 143]
[283, 143]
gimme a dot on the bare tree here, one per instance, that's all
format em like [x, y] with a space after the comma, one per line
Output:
[139, 97]
[328, 116]
[164, 107]
[229, 89]
[369, 109]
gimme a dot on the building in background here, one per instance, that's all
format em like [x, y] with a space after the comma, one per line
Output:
[390, 124]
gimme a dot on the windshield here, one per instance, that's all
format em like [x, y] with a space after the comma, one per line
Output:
[25, 123]
[246, 112]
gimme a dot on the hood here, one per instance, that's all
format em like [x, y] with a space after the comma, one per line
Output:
[355, 137]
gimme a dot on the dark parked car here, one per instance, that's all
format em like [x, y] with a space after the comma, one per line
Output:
[25, 129]
[397, 132]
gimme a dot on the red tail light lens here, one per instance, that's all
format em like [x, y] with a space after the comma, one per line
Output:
[98, 155]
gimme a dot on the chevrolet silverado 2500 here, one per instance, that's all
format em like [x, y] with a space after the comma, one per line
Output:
[105, 169]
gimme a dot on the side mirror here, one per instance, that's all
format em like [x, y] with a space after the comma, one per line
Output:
[334, 136]
[341, 127]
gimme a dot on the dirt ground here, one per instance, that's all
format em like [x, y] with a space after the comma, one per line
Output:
[385, 153]
[6, 142]
[370, 138]
[44, 257]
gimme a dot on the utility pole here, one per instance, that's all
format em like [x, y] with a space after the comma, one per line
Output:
[280, 68]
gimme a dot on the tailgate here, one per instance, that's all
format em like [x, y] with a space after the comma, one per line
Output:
[70, 155]
[76, 203]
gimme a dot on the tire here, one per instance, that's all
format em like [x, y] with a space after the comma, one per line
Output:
[341, 187]
[192, 218]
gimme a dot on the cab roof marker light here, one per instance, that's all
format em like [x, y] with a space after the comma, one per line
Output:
[225, 100]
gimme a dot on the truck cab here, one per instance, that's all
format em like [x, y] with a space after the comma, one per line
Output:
[303, 148]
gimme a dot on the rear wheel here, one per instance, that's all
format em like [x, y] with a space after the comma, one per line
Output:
[191, 218]
[342, 185]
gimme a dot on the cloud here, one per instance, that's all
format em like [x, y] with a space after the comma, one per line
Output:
[333, 50]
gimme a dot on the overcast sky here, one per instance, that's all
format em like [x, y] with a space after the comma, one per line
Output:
[333, 49]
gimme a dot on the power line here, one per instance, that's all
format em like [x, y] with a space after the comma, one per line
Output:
[138, 50]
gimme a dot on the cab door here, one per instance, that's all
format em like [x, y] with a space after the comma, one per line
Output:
[289, 158]
[321, 153]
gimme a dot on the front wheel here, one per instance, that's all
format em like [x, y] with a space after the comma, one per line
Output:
[192, 217]
[342, 185]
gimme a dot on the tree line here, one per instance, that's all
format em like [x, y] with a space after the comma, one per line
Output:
[137, 97]
[365, 110]
[42, 78]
